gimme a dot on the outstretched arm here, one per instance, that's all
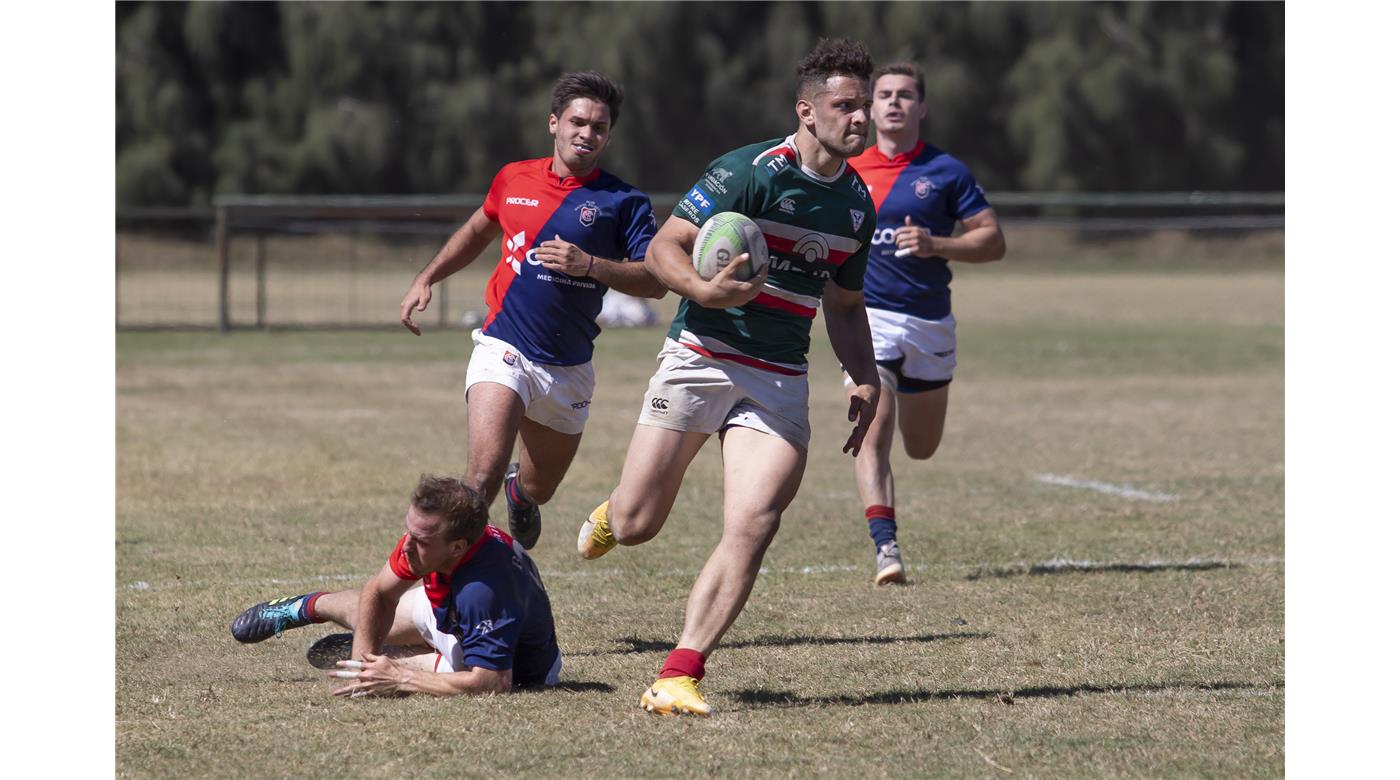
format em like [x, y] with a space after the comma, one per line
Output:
[631, 278]
[849, 330]
[668, 259]
[981, 241]
[380, 675]
[378, 600]
[460, 250]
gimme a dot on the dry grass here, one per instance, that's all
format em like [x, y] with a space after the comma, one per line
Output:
[261, 464]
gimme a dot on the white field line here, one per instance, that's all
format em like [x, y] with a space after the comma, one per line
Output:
[1051, 564]
[1122, 491]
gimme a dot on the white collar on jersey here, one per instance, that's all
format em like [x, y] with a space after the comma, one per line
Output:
[791, 141]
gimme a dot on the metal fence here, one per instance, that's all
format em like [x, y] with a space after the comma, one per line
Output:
[265, 262]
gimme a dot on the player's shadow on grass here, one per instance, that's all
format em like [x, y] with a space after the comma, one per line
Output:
[1008, 696]
[575, 686]
[1091, 567]
[639, 645]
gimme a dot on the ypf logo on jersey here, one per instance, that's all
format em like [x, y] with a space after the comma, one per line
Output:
[923, 187]
[587, 213]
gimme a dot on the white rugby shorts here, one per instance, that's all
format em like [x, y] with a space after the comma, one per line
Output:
[556, 397]
[448, 647]
[697, 394]
[926, 350]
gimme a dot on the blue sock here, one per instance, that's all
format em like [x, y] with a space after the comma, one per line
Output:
[882, 530]
[514, 496]
[882, 525]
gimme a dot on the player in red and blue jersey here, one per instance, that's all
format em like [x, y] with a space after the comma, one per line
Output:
[922, 194]
[569, 231]
[480, 623]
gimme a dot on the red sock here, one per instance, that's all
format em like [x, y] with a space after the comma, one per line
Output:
[876, 511]
[684, 663]
[310, 609]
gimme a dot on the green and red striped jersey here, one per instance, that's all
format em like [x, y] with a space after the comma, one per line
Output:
[817, 228]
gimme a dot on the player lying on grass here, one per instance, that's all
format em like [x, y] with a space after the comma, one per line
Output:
[735, 360]
[481, 619]
[569, 232]
[921, 194]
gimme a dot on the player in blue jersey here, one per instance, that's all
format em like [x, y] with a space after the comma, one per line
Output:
[569, 232]
[480, 623]
[922, 194]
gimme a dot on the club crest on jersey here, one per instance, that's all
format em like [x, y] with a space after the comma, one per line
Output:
[587, 213]
[857, 217]
[787, 206]
[508, 358]
[923, 187]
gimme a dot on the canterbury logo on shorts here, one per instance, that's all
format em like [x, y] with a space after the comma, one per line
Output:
[659, 405]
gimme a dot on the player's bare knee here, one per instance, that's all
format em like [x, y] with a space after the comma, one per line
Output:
[630, 525]
[755, 532]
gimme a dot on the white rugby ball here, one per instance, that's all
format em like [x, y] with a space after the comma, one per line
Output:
[724, 237]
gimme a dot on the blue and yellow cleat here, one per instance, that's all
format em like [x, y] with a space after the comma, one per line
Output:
[271, 618]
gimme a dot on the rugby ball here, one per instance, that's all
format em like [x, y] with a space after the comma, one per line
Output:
[724, 237]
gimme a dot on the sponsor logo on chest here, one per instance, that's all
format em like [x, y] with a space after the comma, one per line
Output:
[716, 177]
[530, 202]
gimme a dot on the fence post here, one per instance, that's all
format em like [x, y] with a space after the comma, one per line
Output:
[260, 270]
[116, 284]
[221, 243]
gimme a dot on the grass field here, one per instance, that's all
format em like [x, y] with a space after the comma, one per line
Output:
[1051, 629]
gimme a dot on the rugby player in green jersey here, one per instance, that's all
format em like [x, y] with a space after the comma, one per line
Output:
[735, 359]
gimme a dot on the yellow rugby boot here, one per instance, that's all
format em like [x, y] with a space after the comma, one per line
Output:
[594, 538]
[672, 696]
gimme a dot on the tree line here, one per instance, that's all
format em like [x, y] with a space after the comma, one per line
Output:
[429, 98]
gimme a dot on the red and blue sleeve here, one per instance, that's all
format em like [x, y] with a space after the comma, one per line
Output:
[398, 561]
[492, 206]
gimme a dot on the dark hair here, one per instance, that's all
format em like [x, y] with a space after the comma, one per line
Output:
[460, 508]
[910, 69]
[587, 84]
[832, 57]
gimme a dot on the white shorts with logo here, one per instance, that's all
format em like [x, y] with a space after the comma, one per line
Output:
[554, 396]
[926, 349]
[448, 647]
[697, 394]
